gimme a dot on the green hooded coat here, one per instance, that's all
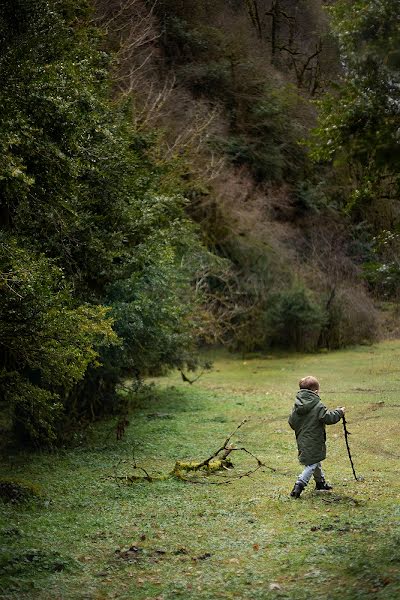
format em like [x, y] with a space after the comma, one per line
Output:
[308, 419]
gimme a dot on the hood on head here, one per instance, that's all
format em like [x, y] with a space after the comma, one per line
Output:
[305, 401]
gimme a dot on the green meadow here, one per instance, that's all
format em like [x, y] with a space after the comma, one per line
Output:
[90, 534]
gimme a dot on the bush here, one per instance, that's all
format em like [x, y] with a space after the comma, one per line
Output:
[212, 79]
[46, 341]
[294, 320]
[265, 134]
[383, 272]
[352, 319]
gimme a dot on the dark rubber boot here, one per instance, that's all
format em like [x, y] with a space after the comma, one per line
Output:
[298, 488]
[323, 486]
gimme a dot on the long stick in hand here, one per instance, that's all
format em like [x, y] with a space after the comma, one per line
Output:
[346, 435]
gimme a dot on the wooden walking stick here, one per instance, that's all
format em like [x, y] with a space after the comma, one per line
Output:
[346, 435]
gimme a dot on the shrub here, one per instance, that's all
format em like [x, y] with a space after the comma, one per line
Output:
[212, 79]
[46, 341]
[352, 319]
[383, 271]
[294, 320]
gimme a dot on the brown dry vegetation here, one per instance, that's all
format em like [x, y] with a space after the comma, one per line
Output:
[195, 71]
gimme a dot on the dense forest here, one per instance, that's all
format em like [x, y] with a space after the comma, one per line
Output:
[185, 173]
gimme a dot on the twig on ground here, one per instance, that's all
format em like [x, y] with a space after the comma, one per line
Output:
[224, 447]
[215, 463]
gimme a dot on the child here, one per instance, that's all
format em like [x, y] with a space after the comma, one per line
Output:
[308, 419]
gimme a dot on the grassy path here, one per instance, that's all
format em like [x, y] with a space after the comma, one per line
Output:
[245, 540]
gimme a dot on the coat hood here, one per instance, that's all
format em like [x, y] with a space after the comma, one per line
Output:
[305, 401]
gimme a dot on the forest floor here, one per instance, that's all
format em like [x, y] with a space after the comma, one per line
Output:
[248, 539]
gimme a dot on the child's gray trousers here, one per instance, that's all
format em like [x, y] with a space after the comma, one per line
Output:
[309, 470]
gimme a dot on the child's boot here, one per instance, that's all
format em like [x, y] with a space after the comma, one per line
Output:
[323, 486]
[297, 489]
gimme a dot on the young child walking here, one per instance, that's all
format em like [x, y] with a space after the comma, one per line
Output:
[308, 419]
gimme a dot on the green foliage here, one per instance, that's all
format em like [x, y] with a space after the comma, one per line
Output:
[358, 130]
[66, 150]
[294, 320]
[212, 78]
[238, 288]
[358, 120]
[92, 238]
[50, 335]
[47, 342]
[383, 272]
[312, 198]
[268, 136]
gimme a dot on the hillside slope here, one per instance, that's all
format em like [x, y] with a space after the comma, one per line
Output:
[231, 88]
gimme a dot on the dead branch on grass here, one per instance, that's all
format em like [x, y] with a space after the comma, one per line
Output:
[225, 447]
[218, 462]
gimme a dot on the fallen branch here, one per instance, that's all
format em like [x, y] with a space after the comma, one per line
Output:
[211, 467]
[227, 480]
[224, 447]
[259, 463]
[218, 462]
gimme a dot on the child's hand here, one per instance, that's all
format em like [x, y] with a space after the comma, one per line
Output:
[343, 409]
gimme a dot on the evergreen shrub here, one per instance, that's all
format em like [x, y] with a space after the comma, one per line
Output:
[294, 320]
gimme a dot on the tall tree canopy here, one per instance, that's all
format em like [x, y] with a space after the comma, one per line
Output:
[359, 130]
[359, 121]
[93, 242]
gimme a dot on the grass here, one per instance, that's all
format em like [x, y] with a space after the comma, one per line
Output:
[246, 540]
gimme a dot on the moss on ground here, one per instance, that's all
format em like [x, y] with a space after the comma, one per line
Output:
[93, 537]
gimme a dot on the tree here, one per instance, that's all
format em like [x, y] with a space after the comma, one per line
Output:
[359, 121]
[358, 133]
[85, 199]
[297, 36]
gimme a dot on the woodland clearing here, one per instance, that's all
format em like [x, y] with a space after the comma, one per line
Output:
[90, 536]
